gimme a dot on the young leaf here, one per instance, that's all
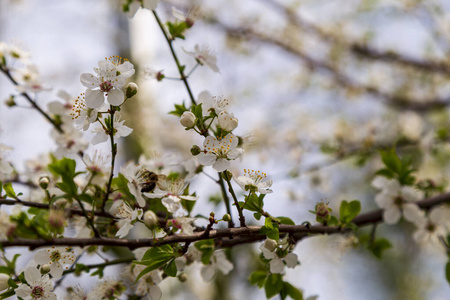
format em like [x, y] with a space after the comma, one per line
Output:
[9, 190]
[258, 278]
[273, 285]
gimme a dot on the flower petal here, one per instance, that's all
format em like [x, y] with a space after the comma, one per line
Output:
[115, 97]
[94, 98]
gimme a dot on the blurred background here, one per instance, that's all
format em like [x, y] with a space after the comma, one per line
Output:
[318, 88]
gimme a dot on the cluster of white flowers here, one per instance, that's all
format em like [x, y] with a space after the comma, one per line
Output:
[280, 255]
[126, 215]
[397, 200]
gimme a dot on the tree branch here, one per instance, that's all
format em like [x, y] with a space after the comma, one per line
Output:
[226, 237]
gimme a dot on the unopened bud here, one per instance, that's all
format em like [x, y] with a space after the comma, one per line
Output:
[270, 244]
[195, 150]
[227, 175]
[159, 76]
[45, 268]
[43, 182]
[187, 119]
[322, 210]
[131, 89]
[4, 282]
[182, 277]
[150, 219]
[10, 101]
[226, 218]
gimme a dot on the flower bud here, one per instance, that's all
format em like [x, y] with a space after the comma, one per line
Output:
[227, 121]
[131, 89]
[4, 282]
[182, 277]
[10, 101]
[226, 218]
[45, 268]
[187, 119]
[227, 175]
[150, 219]
[270, 244]
[322, 210]
[195, 150]
[43, 182]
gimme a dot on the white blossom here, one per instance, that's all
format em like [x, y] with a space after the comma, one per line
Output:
[3, 282]
[219, 152]
[270, 249]
[204, 56]
[37, 287]
[227, 121]
[171, 192]
[185, 224]
[120, 130]
[132, 173]
[70, 142]
[187, 119]
[126, 215]
[218, 262]
[111, 75]
[396, 199]
[5, 166]
[56, 258]
[434, 226]
[254, 180]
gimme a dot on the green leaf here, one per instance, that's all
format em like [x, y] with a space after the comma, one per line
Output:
[291, 291]
[258, 278]
[99, 272]
[379, 246]
[171, 268]
[9, 190]
[156, 257]
[391, 160]
[333, 221]
[447, 272]
[285, 220]
[257, 216]
[207, 249]
[79, 268]
[254, 203]
[348, 211]
[273, 285]
[7, 294]
[268, 223]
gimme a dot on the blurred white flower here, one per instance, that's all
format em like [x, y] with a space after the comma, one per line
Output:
[271, 249]
[5, 166]
[204, 56]
[132, 173]
[218, 262]
[134, 5]
[435, 225]
[397, 200]
[185, 224]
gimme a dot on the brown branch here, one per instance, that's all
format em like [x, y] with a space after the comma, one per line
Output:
[362, 49]
[395, 100]
[226, 237]
[71, 211]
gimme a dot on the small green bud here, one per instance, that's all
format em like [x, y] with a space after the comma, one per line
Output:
[195, 150]
[10, 101]
[182, 277]
[43, 182]
[131, 89]
[227, 175]
[45, 268]
[226, 218]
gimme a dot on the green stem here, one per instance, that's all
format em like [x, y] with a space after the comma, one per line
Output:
[226, 200]
[88, 219]
[236, 203]
[113, 158]
[105, 264]
[180, 69]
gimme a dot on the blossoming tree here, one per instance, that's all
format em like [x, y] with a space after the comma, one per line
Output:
[140, 215]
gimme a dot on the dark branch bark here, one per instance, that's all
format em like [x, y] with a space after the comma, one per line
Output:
[226, 237]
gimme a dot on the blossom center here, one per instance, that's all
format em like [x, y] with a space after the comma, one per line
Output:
[105, 86]
[55, 256]
[37, 292]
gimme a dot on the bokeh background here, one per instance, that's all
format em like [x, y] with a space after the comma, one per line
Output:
[318, 88]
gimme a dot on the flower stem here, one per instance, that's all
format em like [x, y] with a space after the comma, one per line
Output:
[33, 103]
[236, 203]
[226, 200]
[113, 158]
[180, 68]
